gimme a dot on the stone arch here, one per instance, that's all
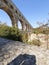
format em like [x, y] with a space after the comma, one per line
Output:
[4, 17]
[22, 25]
[14, 13]
[19, 25]
[5, 8]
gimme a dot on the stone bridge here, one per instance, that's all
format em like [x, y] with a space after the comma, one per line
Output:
[9, 7]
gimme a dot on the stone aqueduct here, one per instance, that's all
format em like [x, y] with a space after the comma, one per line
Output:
[15, 14]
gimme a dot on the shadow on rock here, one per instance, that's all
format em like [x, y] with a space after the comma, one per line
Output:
[24, 60]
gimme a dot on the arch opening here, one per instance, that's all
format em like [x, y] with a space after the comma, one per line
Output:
[19, 25]
[5, 18]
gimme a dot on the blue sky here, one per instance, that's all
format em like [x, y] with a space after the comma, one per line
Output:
[33, 10]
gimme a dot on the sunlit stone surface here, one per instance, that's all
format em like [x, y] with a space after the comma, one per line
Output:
[17, 53]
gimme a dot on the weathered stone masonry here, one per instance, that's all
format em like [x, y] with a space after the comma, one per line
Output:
[15, 15]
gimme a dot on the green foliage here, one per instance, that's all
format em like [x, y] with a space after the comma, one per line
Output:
[13, 33]
[41, 30]
[24, 37]
[4, 30]
[10, 33]
[35, 42]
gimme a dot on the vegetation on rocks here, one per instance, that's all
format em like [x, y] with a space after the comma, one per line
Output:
[43, 29]
[35, 42]
[25, 37]
[12, 33]
[9, 32]
[17, 35]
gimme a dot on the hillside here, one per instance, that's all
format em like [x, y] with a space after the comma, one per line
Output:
[42, 29]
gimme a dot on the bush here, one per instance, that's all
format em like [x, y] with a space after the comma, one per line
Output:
[24, 37]
[4, 30]
[13, 33]
[10, 33]
[35, 42]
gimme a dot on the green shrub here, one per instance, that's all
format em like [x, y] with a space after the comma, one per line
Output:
[13, 33]
[10, 33]
[35, 42]
[4, 30]
[24, 37]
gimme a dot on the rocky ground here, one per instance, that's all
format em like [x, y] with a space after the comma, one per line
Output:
[17, 53]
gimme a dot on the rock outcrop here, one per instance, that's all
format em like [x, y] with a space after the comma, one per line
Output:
[18, 53]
